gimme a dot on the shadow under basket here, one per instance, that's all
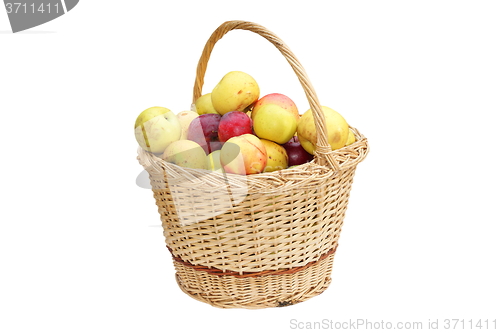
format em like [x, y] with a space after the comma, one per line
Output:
[256, 241]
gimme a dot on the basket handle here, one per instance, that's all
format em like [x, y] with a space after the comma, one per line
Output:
[323, 149]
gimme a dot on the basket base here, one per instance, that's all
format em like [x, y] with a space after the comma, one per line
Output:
[267, 291]
[270, 302]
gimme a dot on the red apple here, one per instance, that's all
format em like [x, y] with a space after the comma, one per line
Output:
[204, 131]
[234, 123]
[296, 153]
[279, 100]
[244, 155]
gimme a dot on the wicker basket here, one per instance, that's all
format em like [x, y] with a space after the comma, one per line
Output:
[257, 241]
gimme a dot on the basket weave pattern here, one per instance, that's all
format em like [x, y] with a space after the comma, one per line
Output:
[264, 232]
[274, 247]
[255, 292]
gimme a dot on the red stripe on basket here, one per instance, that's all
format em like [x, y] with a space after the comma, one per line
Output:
[220, 273]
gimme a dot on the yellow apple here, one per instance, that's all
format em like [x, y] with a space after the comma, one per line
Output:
[213, 161]
[274, 123]
[336, 127]
[204, 105]
[277, 158]
[156, 128]
[186, 153]
[236, 91]
[185, 119]
[244, 154]
[351, 138]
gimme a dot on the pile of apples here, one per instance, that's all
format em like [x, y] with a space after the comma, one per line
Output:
[232, 130]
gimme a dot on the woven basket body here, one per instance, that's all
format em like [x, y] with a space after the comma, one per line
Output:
[262, 240]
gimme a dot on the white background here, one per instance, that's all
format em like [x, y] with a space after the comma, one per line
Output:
[81, 248]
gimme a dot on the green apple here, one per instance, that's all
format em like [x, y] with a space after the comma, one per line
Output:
[336, 127]
[156, 128]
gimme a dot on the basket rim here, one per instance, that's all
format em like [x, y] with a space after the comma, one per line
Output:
[345, 157]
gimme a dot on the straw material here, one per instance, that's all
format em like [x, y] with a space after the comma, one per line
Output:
[261, 240]
[255, 291]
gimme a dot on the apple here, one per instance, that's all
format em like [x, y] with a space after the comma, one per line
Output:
[277, 158]
[156, 128]
[296, 153]
[186, 153]
[234, 123]
[236, 91]
[244, 155]
[336, 127]
[351, 138]
[204, 131]
[213, 161]
[204, 105]
[279, 100]
[274, 123]
[185, 118]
